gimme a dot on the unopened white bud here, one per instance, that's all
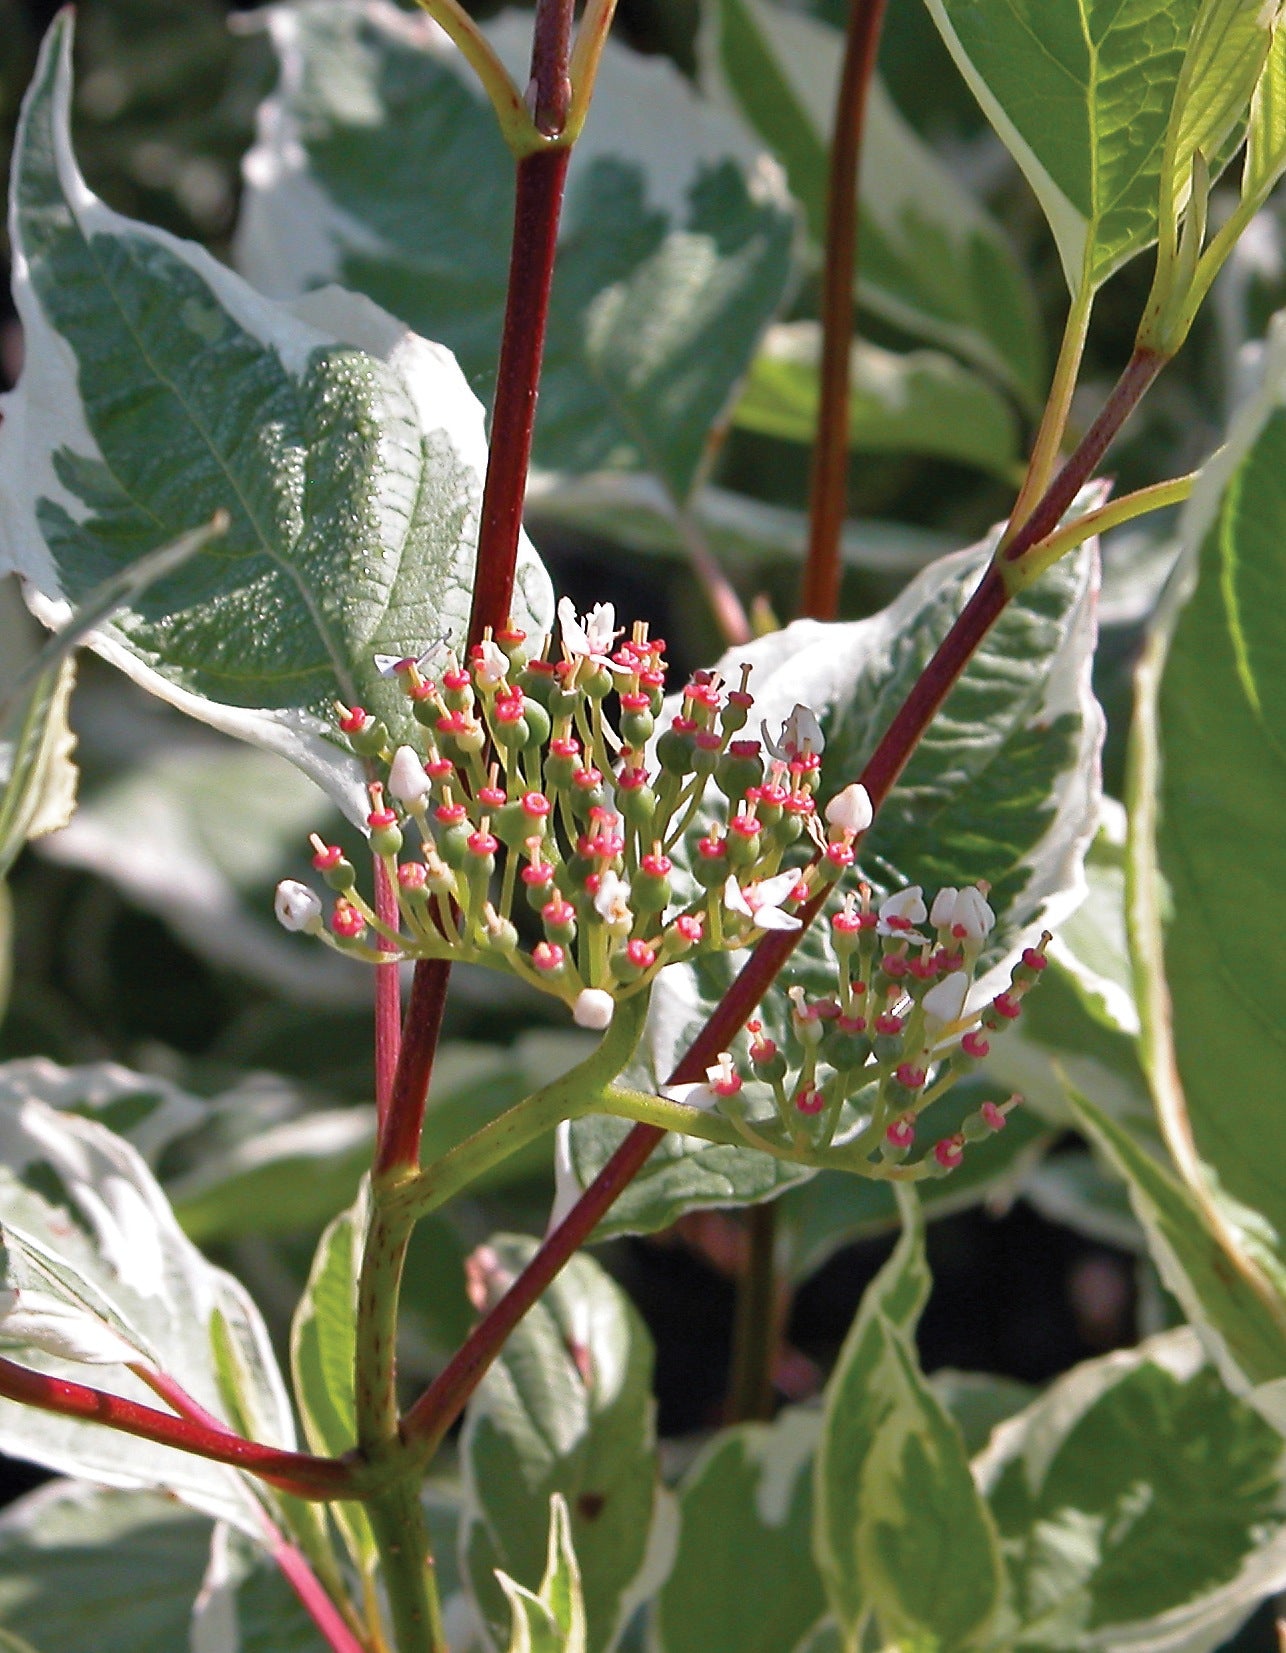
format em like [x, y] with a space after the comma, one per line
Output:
[594, 1009]
[407, 781]
[296, 906]
[850, 810]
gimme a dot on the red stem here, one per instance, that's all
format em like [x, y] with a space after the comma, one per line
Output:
[437, 1408]
[531, 268]
[550, 93]
[819, 592]
[316, 1602]
[399, 1143]
[388, 999]
[295, 1472]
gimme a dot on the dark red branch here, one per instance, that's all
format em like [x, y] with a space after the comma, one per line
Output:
[819, 592]
[388, 999]
[550, 94]
[399, 1142]
[296, 1472]
[531, 268]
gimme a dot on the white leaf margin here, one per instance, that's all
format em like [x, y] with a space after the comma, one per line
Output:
[44, 413]
[142, 1246]
[1035, 1434]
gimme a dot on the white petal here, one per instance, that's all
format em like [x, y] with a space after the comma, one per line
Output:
[943, 912]
[801, 729]
[574, 637]
[567, 1188]
[600, 627]
[945, 1001]
[733, 899]
[771, 892]
[974, 912]
[772, 918]
[908, 904]
[850, 810]
[407, 781]
[594, 1009]
[694, 1096]
[296, 906]
[492, 663]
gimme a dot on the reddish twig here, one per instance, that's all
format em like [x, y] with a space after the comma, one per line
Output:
[819, 592]
[313, 1596]
[531, 268]
[295, 1472]
[399, 1143]
[388, 999]
[550, 94]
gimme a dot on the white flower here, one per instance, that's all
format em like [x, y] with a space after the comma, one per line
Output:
[761, 902]
[964, 912]
[900, 913]
[407, 781]
[490, 664]
[296, 906]
[594, 1009]
[850, 810]
[39, 1321]
[389, 665]
[593, 636]
[611, 903]
[945, 1001]
[800, 733]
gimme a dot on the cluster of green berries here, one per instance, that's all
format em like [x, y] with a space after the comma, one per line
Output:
[860, 1066]
[532, 827]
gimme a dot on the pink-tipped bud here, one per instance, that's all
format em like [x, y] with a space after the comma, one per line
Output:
[346, 921]
[993, 1117]
[809, 1100]
[973, 1044]
[901, 1133]
[950, 1151]
[910, 1076]
[724, 1080]
[548, 957]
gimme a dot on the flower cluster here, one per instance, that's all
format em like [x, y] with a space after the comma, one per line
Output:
[540, 784]
[858, 1067]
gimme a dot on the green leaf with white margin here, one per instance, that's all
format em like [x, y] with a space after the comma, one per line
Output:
[920, 402]
[85, 1199]
[901, 1531]
[1266, 134]
[551, 1620]
[88, 1569]
[158, 387]
[1207, 794]
[323, 1352]
[933, 262]
[1080, 92]
[744, 1575]
[1212, 1257]
[1139, 1504]
[675, 243]
[566, 1408]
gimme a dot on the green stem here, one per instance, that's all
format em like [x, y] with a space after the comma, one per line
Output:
[406, 1567]
[1033, 563]
[1053, 424]
[516, 124]
[586, 1088]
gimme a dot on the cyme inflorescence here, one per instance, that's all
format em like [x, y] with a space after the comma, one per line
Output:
[859, 1066]
[532, 827]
